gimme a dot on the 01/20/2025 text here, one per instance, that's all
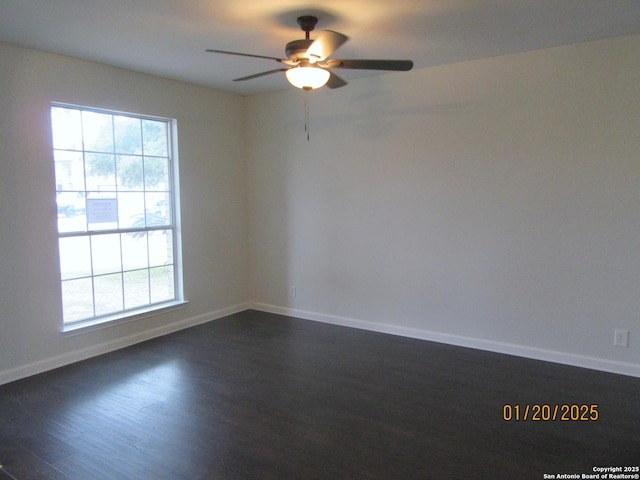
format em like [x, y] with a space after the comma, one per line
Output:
[550, 412]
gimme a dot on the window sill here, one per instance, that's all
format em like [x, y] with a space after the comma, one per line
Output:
[93, 324]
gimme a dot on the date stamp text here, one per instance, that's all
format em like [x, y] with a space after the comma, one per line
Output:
[545, 412]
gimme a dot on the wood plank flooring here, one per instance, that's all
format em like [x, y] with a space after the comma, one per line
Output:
[262, 396]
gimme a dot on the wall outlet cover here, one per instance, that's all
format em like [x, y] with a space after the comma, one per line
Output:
[621, 338]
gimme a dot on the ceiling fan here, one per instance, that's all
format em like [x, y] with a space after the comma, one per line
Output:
[307, 65]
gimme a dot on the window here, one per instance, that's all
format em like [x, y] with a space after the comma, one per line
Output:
[117, 227]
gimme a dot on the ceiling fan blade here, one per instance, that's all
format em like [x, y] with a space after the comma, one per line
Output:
[395, 65]
[324, 45]
[335, 81]
[257, 75]
[281, 60]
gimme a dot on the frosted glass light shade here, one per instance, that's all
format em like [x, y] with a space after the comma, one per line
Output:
[307, 78]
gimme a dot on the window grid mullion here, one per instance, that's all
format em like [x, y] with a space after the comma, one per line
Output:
[155, 228]
[84, 173]
[115, 164]
[148, 268]
[121, 271]
[93, 277]
[84, 177]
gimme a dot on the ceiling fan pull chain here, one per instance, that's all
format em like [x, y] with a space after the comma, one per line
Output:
[307, 125]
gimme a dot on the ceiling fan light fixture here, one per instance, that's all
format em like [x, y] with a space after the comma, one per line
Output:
[308, 65]
[307, 77]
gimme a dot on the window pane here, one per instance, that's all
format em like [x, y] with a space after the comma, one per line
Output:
[71, 211]
[130, 172]
[160, 248]
[97, 132]
[162, 284]
[155, 138]
[108, 293]
[134, 250]
[101, 172]
[66, 128]
[158, 209]
[128, 134]
[156, 173]
[70, 204]
[136, 288]
[106, 253]
[131, 210]
[77, 299]
[75, 257]
[69, 171]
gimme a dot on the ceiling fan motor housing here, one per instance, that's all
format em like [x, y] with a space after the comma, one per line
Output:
[297, 49]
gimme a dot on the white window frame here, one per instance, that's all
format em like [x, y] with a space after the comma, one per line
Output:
[125, 314]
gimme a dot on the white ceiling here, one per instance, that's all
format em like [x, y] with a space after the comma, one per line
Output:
[169, 37]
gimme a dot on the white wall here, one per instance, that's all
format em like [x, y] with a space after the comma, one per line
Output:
[492, 203]
[213, 188]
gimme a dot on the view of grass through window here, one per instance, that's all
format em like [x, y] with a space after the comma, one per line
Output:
[114, 193]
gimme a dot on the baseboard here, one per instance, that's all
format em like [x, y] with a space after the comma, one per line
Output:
[593, 363]
[622, 368]
[116, 344]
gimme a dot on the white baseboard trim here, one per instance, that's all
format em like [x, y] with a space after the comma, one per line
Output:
[23, 371]
[116, 344]
[622, 368]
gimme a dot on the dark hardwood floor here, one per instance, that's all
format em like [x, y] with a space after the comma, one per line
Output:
[262, 396]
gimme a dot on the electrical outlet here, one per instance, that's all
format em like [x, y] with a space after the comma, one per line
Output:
[621, 338]
[292, 291]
